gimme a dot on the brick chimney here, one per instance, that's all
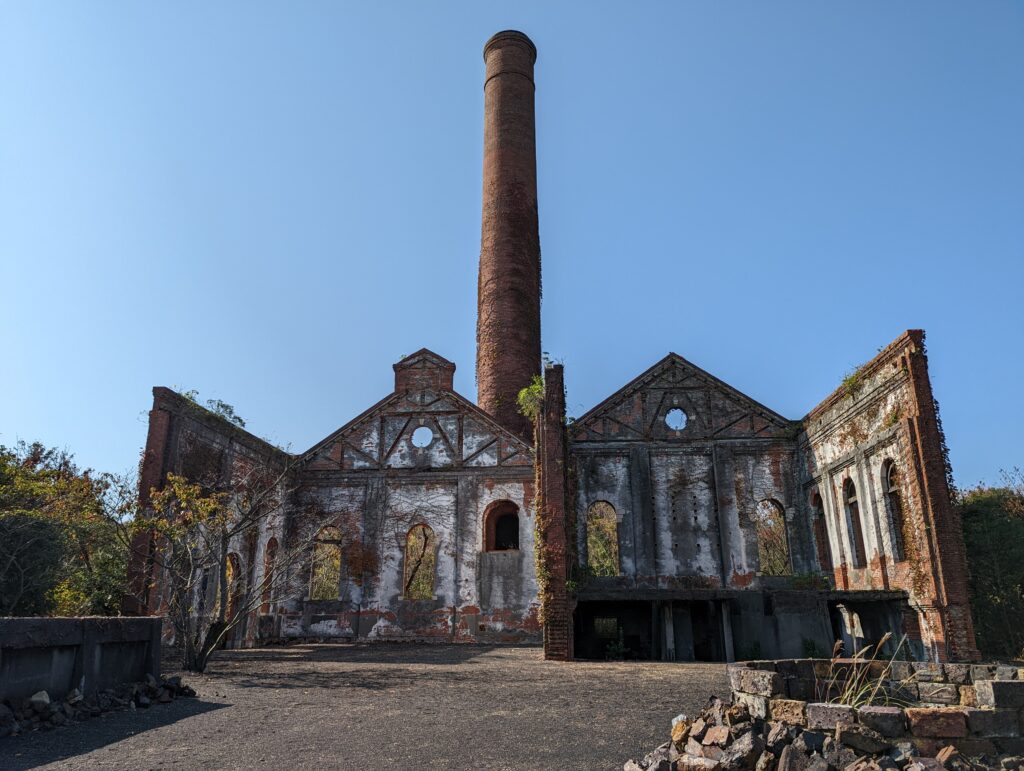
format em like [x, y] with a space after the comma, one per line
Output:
[508, 294]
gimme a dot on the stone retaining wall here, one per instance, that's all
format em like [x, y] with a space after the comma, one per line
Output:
[979, 708]
[58, 655]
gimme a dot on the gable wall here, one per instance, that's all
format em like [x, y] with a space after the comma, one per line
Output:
[371, 479]
[685, 498]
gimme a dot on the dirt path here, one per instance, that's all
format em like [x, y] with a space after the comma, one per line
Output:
[389, 706]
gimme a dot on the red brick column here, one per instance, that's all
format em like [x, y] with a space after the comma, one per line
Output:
[953, 600]
[508, 293]
[554, 524]
[141, 596]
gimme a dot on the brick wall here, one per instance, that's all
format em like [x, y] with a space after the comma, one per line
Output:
[553, 518]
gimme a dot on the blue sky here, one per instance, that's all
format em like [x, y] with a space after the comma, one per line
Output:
[272, 202]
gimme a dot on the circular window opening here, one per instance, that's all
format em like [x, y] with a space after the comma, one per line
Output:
[675, 419]
[422, 437]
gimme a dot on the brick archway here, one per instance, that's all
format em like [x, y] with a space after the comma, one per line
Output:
[501, 526]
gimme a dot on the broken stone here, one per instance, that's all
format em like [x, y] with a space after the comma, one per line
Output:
[74, 697]
[719, 735]
[1012, 763]
[757, 705]
[939, 693]
[658, 759]
[936, 721]
[39, 701]
[680, 733]
[801, 689]
[737, 713]
[737, 730]
[828, 716]
[788, 710]
[1000, 693]
[714, 712]
[712, 752]
[861, 738]
[792, 759]
[924, 764]
[818, 763]
[693, 747]
[928, 672]
[163, 696]
[757, 682]
[888, 721]
[992, 722]
[778, 737]
[901, 670]
[959, 674]
[951, 758]
[863, 764]
[692, 763]
[698, 728]
[809, 742]
[743, 753]
[982, 672]
[837, 754]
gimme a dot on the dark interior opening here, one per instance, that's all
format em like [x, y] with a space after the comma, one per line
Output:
[506, 532]
[613, 630]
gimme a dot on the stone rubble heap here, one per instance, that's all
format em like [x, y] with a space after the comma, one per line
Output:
[40, 712]
[729, 738]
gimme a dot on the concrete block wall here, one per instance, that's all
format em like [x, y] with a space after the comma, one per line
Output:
[57, 655]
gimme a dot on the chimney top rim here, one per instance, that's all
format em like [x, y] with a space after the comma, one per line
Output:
[510, 36]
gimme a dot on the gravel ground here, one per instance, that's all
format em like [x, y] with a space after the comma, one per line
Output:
[389, 706]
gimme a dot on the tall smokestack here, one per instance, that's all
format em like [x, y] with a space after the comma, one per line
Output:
[508, 293]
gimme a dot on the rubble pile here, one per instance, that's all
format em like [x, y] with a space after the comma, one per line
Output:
[40, 712]
[727, 737]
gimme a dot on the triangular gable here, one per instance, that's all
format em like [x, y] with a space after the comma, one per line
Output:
[713, 409]
[461, 435]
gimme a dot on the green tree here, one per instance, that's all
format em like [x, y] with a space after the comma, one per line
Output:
[63, 511]
[31, 552]
[993, 525]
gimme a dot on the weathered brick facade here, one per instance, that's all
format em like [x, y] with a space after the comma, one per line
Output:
[677, 519]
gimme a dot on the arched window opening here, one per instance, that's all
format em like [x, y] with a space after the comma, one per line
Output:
[325, 572]
[603, 539]
[820, 533]
[269, 557]
[420, 564]
[772, 540]
[853, 512]
[501, 527]
[894, 506]
[236, 588]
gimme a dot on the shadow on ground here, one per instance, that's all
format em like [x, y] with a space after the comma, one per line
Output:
[41, 747]
[371, 653]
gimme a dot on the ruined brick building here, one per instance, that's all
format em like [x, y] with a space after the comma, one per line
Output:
[677, 519]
